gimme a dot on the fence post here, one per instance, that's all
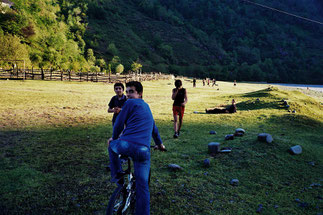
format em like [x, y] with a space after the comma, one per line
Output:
[80, 76]
[87, 76]
[69, 75]
[32, 73]
[42, 74]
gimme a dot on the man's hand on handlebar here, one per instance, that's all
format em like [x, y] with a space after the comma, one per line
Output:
[160, 147]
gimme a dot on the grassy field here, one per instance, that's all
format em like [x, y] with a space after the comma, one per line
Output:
[53, 150]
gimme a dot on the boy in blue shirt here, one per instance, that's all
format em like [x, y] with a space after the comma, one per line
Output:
[117, 101]
[136, 125]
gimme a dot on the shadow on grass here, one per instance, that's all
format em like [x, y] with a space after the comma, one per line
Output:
[296, 120]
[257, 105]
[61, 171]
[259, 93]
[54, 171]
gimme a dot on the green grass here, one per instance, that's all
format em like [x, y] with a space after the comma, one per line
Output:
[53, 150]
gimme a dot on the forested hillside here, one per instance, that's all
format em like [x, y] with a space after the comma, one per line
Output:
[226, 40]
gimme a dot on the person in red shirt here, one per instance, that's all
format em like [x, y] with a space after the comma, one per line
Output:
[179, 96]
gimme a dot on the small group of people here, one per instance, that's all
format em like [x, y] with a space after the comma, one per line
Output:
[207, 80]
[133, 127]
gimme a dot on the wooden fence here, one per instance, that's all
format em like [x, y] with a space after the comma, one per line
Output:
[48, 74]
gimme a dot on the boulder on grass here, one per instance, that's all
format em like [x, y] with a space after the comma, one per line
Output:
[174, 167]
[206, 163]
[214, 147]
[212, 132]
[296, 150]
[265, 137]
[239, 132]
[229, 137]
[234, 182]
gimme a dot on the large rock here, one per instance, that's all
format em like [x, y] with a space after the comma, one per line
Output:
[214, 147]
[229, 137]
[265, 137]
[296, 150]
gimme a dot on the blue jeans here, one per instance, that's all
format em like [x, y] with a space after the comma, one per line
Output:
[141, 160]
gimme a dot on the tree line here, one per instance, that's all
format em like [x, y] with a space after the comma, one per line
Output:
[226, 40]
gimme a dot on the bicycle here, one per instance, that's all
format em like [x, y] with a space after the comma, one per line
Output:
[123, 199]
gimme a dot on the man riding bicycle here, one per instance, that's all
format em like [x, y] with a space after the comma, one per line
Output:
[135, 126]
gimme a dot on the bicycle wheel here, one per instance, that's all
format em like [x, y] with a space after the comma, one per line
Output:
[119, 202]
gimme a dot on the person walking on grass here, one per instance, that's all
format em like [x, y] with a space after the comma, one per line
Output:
[117, 101]
[135, 125]
[179, 96]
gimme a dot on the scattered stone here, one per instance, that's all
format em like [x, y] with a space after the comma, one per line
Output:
[195, 112]
[303, 204]
[212, 132]
[174, 167]
[206, 163]
[296, 150]
[257, 99]
[294, 111]
[298, 200]
[269, 138]
[285, 103]
[260, 207]
[206, 173]
[315, 185]
[234, 182]
[265, 137]
[226, 150]
[240, 130]
[287, 106]
[289, 111]
[276, 206]
[214, 147]
[312, 163]
[229, 137]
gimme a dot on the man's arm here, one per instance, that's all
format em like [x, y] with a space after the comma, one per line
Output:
[185, 99]
[121, 119]
[110, 109]
[156, 135]
[174, 94]
[159, 144]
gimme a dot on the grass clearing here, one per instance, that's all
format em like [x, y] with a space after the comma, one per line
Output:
[53, 150]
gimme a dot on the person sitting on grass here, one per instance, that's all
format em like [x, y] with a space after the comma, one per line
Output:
[135, 125]
[230, 109]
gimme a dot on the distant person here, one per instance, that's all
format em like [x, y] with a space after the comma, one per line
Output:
[117, 101]
[132, 134]
[235, 83]
[179, 95]
[214, 82]
[208, 82]
[194, 82]
[203, 82]
[231, 109]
